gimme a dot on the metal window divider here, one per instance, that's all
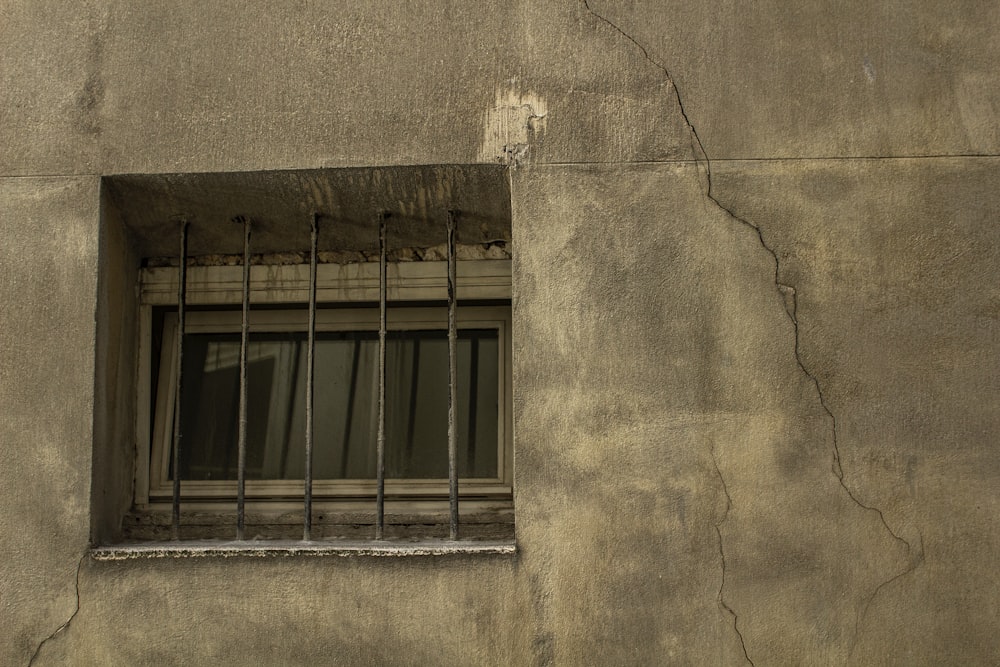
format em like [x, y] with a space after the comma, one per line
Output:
[452, 381]
[175, 513]
[380, 439]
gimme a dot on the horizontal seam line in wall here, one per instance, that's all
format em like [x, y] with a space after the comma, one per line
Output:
[66, 175]
[845, 158]
[818, 158]
[831, 158]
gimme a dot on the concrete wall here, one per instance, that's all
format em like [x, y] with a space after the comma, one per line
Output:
[755, 318]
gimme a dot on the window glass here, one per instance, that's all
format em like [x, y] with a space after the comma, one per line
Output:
[345, 409]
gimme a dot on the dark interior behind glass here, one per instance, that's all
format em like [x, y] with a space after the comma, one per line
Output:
[345, 408]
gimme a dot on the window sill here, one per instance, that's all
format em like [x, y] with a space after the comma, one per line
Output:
[285, 548]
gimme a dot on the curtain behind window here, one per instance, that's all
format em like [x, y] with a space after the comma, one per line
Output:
[345, 408]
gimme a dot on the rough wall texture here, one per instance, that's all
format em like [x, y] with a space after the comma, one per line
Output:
[755, 396]
[48, 273]
[893, 269]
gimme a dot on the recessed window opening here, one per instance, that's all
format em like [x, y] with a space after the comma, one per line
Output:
[341, 387]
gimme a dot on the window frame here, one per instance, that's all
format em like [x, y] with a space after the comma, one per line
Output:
[415, 287]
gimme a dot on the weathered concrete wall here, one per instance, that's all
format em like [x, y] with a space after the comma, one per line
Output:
[48, 278]
[894, 264]
[121, 87]
[827, 79]
[755, 397]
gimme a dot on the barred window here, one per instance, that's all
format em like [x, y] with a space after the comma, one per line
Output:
[317, 357]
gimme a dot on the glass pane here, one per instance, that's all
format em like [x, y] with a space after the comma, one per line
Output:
[345, 408]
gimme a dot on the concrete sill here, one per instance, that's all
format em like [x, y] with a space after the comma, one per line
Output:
[285, 548]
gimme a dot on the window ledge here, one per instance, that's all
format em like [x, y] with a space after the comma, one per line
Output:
[283, 548]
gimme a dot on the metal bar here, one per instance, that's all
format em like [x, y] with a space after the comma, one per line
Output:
[380, 441]
[310, 372]
[241, 465]
[175, 523]
[452, 382]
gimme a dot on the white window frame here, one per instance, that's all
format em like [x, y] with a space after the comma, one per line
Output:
[412, 282]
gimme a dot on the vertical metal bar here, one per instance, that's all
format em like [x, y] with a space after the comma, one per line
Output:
[310, 370]
[380, 442]
[241, 466]
[175, 524]
[452, 382]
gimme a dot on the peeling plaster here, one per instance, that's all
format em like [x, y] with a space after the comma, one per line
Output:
[514, 123]
[789, 297]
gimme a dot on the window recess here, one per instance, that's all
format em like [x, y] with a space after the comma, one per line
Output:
[359, 400]
[327, 247]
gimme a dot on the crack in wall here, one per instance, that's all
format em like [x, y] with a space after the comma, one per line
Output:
[915, 562]
[789, 297]
[722, 557]
[65, 624]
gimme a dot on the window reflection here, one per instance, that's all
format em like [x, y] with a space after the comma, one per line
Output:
[345, 409]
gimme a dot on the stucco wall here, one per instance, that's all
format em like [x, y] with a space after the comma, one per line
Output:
[755, 323]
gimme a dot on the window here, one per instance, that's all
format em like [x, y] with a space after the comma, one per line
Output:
[421, 220]
[344, 485]
[345, 417]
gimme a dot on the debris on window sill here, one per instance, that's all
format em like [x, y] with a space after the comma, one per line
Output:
[286, 548]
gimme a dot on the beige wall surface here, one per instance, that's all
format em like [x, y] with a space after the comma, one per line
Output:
[755, 323]
[48, 276]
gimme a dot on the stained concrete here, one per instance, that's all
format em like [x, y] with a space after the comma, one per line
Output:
[281, 204]
[898, 280]
[754, 398]
[827, 79]
[659, 448]
[192, 87]
[48, 274]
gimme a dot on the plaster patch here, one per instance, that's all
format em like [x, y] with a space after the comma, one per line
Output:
[869, 70]
[514, 124]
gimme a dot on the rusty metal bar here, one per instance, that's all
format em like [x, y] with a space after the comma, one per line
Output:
[452, 382]
[310, 373]
[241, 466]
[380, 441]
[175, 523]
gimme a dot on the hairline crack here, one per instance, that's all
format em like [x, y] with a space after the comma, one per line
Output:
[915, 555]
[65, 625]
[722, 556]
